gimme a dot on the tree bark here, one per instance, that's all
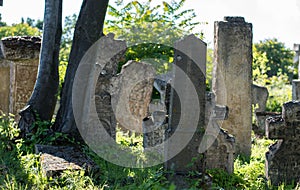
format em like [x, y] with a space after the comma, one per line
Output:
[43, 99]
[88, 30]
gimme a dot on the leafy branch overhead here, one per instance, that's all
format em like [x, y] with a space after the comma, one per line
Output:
[150, 29]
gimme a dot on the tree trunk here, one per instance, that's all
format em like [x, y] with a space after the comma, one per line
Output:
[43, 99]
[88, 30]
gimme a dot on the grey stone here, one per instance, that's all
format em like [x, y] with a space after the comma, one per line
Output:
[296, 89]
[131, 95]
[260, 96]
[187, 107]
[220, 147]
[283, 157]
[56, 159]
[232, 78]
[260, 117]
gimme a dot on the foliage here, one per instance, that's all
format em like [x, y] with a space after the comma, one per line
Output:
[209, 68]
[275, 58]
[150, 30]
[248, 172]
[22, 29]
[65, 47]
[21, 169]
[1, 22]
[279, 93]
[278, 84]
[33, 23]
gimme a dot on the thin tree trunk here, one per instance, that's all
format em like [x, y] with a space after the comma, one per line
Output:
[88, 30]
[43, 99]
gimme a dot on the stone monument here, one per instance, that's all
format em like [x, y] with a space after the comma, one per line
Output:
[187, 110]
[296, 82]
[18, 71]
[232, 78]
[283, 157]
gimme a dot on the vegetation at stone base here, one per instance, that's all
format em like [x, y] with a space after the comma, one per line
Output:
[20, 167]
[273, 68]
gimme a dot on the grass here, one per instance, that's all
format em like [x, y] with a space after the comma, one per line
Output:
[20, 168]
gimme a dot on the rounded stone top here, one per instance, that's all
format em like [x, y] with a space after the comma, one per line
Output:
[234, 19]
[21, 47]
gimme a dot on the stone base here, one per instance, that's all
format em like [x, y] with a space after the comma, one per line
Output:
[55, 159]
[296, 90]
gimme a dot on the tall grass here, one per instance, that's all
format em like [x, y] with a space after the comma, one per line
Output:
[20, 168]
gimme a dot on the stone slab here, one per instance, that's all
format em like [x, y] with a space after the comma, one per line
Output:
[56, 159]
[232, 78]
[4, 89]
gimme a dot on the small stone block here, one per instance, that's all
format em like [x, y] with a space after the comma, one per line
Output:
[56, 159]
[234, 19]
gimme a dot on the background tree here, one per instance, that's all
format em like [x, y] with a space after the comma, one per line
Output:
[21, 29]
[273, 68]
[33, 23]
[279, 59]
[143, 23]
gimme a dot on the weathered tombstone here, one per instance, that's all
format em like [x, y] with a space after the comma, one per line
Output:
[154, 130]
[296, 82]
[232, 78]
[132, 94]
[260, 96]
[187, 109]
[103, 98]
[155, 124]
[283, 157]
[20, 66]
[220, 146]
[55, 159]
[5, 83]
[260, 128]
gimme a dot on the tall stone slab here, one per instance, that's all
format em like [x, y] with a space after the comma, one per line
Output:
[18, 70]
[296, 82]
[4, 87]
[232, 77]
[5, 81]
[187, 108]
[283, 157]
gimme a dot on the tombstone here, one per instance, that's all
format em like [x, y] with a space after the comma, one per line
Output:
[155, 124]
[260, 96]
[103, 97]
[283, 157]
[132, 94]
[260, 117]
[296, 82]
[55, 159]
[220, 147]
[187, 110]
[154, 128]
[232, 78]
[18, 72]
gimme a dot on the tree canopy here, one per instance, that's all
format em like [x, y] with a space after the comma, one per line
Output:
[150, 29]
[271, 59]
